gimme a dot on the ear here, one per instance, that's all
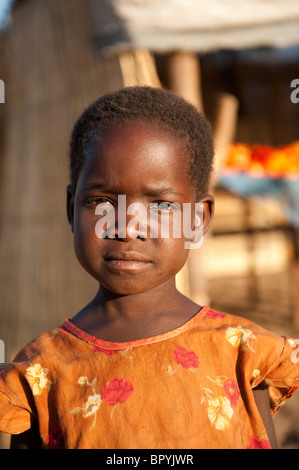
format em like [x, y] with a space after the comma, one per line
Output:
[70, 206]
[208, 206]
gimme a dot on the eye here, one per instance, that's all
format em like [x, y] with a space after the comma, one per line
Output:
[164, 206]
[95, 201]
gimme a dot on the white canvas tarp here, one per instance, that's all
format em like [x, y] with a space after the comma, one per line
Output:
[194, 25]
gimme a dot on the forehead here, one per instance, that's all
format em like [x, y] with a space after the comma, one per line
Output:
[148, 135]
[140, 150]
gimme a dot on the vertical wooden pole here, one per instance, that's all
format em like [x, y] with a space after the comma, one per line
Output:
[139, 68]
[224, 127]
[185, 77]
[295, 292]
[185, 80]
[295, 277]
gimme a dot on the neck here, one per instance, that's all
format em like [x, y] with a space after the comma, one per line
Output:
[145, 303]
[115, 317]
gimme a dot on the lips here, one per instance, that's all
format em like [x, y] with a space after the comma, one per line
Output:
[126, 261]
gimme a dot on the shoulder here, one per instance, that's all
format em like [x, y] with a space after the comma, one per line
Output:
[50, 348]
[234, 324]
[28, 376]
[37, 365]
[251, 346]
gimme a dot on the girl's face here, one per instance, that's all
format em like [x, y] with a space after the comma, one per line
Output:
[147, 164]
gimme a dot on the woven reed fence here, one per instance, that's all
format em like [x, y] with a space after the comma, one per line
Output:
[51, 74]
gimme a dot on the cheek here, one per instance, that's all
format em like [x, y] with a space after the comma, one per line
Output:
[173, 253]
[85, 239]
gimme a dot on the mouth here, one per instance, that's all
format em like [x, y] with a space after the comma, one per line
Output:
[127, 261]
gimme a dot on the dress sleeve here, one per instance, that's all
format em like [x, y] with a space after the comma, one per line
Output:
[282, 377]
[17, 410]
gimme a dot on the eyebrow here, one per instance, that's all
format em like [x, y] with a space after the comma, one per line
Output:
[151, 191]
[101, 187]
[161, 191]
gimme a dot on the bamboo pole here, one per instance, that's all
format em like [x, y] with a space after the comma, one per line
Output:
[185, 77]
[185, 80]
[225, 128]
[138, 68]
[295, 277]
[128, 70]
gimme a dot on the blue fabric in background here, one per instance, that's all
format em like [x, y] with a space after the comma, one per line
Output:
[286, 191]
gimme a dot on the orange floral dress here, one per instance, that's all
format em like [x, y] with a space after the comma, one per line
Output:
[190, 388]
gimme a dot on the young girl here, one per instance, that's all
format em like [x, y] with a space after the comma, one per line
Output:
[142, 366]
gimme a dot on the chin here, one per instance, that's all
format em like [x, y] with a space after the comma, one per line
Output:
[128, 287]
[123, 290]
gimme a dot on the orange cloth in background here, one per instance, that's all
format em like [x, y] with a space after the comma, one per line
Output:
[186, 389]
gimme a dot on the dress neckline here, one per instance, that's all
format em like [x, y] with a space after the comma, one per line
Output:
[71, 328]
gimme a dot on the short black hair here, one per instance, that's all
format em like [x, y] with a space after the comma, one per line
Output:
[147, 104]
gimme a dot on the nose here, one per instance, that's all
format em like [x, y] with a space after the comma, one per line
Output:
[132, 223]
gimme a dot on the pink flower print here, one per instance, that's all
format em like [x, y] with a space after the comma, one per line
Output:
[184, 358]
[232, 391]
[116, 391]
[55, 439]
[256, 443]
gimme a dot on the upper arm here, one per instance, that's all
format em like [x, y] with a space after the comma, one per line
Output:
[262, 400]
